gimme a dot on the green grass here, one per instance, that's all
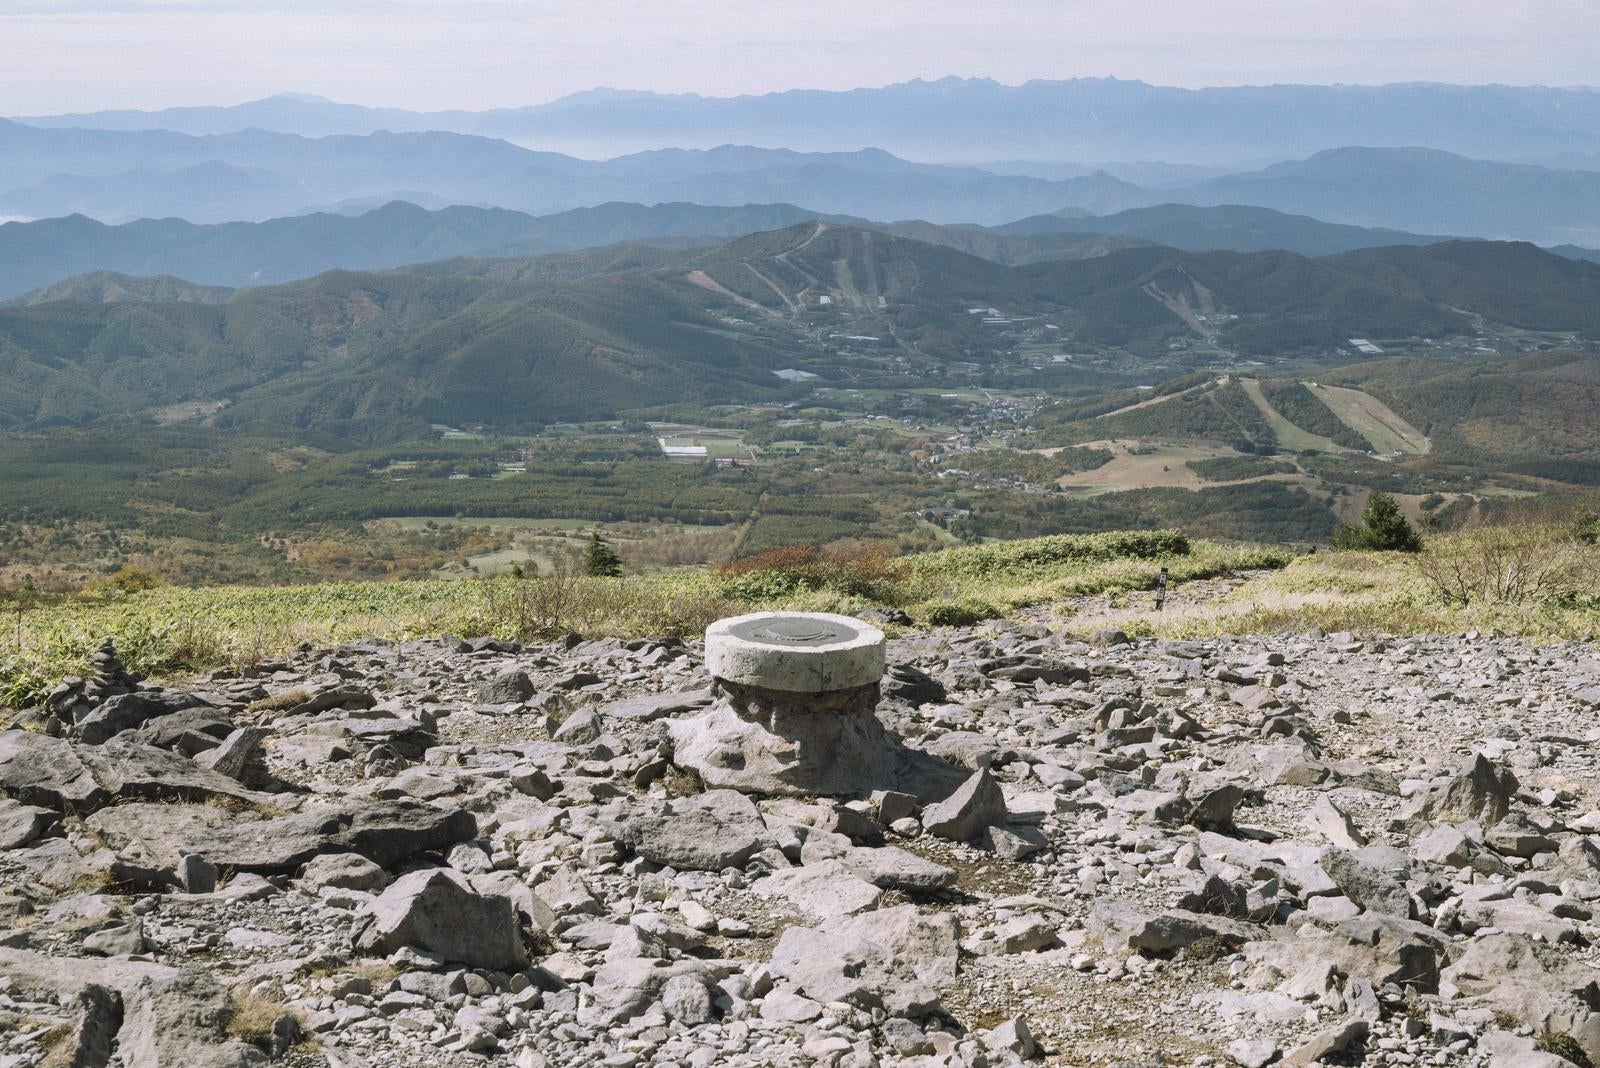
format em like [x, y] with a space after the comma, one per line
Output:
[1392, 593]
[171, 631]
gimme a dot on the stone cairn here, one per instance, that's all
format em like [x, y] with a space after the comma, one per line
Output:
[794, 713]
[76, 697]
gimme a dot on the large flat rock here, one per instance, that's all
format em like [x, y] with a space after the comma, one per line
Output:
[54, 773]
[384, 832]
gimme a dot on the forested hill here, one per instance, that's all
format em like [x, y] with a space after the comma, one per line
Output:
[586, 335]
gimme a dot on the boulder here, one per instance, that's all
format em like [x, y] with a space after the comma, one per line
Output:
[1122, 929]
[905, 682]
[708, 832]
[168, 1017]
[928, 942]
[1373, 877]
[842, 966]
[21, 824]
[436, 911]
[129, 711]
[343, 871]
[656, 706]
[827, 888]
[54, 773]
[510, 687]
[238, 756]
[963, 816]
[1329, 1042]
[1481, 792]
[385, 832]
[628, 987]
[190, 731]
[47, 772]
[1334, 824]
[892, 868]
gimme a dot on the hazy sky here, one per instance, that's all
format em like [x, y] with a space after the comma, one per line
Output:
[70, 55]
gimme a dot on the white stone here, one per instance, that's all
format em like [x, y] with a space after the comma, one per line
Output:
[795, 668]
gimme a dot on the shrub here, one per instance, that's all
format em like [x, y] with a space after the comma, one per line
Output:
[1045, 554]
[127, 579]
[961, 613]
[867, 569]
[1510, 563]
[1382, 529]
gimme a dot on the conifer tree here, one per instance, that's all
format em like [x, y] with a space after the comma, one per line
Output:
[600, 560]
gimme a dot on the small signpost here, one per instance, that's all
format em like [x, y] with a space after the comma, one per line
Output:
[1161, 590]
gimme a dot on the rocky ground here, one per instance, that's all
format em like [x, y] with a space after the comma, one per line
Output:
[1295, 849]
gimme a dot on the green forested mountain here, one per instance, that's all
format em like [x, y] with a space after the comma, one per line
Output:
[37, 254]
[589, 334]
[1510, 282]
[1236, 227]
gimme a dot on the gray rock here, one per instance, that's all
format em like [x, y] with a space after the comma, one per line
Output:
[1015, 842]
[343, 871]
[182, 1021]
[238, 757]
[1481, 792]
[975, 805]
[21, 824]
[190, 732]
[54, 773]
[1334, 824]
[1012, 1036]
[834, 966]
[656, 706]
[1252, 1052]
[1326, 1043]
[1517, 836]
[47, 772]
[123, 940]
[905, 682]
[97, 1012]
[196, 874]
[786, 1006]
[169, 1017]
[507, 688]
[826, 888]
[1373, 877]
[580, 728]
[130, 710]
[708, 832]
[927, 942]
[892, 868]
[627, 988]
[385, 832]
[1443, 845]
[687, 999]
[1121, 928]
[435, 910]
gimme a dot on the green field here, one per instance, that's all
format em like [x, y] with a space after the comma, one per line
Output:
[1373, 420]
[1289, 435]
[170, 630]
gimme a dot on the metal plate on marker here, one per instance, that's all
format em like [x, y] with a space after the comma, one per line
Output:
[793, 631]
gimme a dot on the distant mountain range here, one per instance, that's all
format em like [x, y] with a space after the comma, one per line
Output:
[118, 263]
[250, 176]
[375, 356]
[969, 120]
[119, 176]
